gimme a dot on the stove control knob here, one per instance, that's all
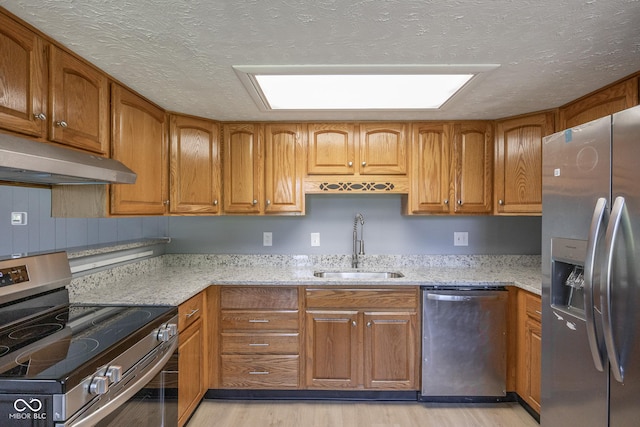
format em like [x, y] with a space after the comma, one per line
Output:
[173, 329]
[99, 385]
[163, 334]
[114, 373]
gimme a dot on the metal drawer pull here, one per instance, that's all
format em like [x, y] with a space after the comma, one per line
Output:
[194, 311]
[259, 345]
[259, 373]
[538, 312]
[258, 320]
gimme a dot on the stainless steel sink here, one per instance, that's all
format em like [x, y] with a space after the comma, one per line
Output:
[358, 274]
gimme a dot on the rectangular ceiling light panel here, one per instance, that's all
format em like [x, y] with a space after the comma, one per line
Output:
[356, 87]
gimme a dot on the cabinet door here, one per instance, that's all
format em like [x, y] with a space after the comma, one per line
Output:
[383, 149]
[194, 165]
[473, 159]
[242, 168]
[518, 166]
[79, 103]
[139, 141]
[23, 79]
[602, 103]
[332, 349]
[533, 350]
[284, 168]
[430, 191]
[390, 350]
[190, 370]
[331, 149]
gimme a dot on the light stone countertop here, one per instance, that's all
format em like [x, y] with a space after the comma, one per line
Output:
[172, 279]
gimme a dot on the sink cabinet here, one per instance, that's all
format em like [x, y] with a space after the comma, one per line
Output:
[350, 333]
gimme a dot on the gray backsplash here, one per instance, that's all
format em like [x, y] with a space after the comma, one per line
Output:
[386, 230]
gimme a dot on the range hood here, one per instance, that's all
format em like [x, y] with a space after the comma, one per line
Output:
[26, 161]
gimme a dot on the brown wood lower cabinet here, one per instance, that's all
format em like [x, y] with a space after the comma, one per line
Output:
[259, 335]
[362, 338]
[529, 349]
[191, 356]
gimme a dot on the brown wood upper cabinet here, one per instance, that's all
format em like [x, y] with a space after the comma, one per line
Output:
[140, 142]
[518, 163]
[194, 165]
[79, 103]
[263, 168]
[452, 168]
[606, 101]
[473, 162]
[431, 166]
[352, 149]
[77, 111]
[23, 86]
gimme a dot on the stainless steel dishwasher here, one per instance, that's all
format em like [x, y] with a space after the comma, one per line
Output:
[463, 342]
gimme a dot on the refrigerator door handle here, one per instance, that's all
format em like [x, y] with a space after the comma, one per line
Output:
[618, 215]
[597, 350]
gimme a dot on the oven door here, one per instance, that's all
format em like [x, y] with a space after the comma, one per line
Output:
[155, 405]
[147, 397]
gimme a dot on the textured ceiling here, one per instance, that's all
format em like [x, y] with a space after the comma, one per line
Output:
[179, 53]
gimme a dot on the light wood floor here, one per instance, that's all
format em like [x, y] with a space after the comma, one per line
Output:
[260, 413]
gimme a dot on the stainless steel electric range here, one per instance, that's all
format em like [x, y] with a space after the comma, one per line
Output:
[65, 364]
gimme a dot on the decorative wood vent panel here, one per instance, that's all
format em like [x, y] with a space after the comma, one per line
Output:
[377, 184]
[357, 186]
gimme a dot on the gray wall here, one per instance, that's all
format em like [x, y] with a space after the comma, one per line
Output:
[386, 230]
[43, 233]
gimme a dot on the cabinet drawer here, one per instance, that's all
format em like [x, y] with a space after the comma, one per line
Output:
[190, 311]
[258, 320]
[276, 372]
[260, 343]
[362, 298]
[259, 297]
[534, 307]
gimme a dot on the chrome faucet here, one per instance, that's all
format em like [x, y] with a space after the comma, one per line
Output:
[358, 245]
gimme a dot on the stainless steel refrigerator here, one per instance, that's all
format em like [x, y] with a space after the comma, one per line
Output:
[591, 288]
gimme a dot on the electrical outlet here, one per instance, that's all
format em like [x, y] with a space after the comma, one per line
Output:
[18, 218]
[460, 238]
[267, 238]
[315, 239]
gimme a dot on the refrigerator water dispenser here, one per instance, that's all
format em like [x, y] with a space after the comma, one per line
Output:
[567, 275]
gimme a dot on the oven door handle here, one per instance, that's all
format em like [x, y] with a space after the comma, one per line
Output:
[129, 392]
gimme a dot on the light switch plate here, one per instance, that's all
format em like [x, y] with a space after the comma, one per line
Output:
[315, 239]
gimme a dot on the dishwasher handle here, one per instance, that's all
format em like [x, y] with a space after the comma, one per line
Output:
[459, 297]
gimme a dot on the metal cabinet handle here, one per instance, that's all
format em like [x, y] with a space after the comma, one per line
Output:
[460, 202]
[40, 116]
[259, 373]
[61, 123]
[350, 164]
[500, 202]
[258, 344]
[166, 203]
[254, 202]
[446, 201]
[268, 202]
[193, 312]
[364, 163]
[369, 324]
[215, 202]
[258, 320]
[353, 322]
